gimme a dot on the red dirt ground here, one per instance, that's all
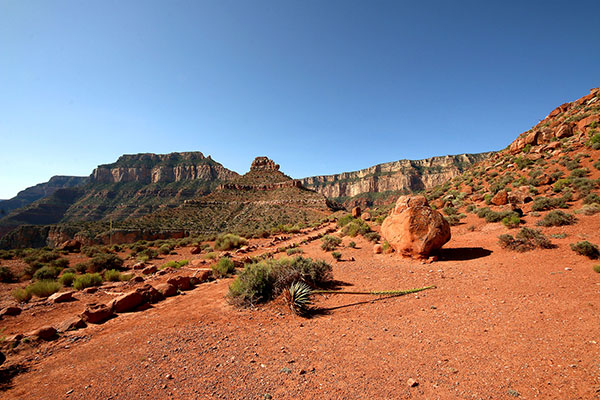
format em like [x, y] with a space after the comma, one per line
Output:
[499, 325]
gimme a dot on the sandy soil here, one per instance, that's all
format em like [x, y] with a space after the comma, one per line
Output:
[499, 325]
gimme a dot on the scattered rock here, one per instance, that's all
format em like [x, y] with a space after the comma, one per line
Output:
[181, 282]
[126, 302]
[150, 294]
[72, 324]
[201, 275]
[97, 313]
[149, 270]
[166, 289]
[70, 245]
[412, 383]
[414, 229]
[61, 297]
[366, 216]
[377, 249]
[500, 198]
[11, 341]
[139, 265]
[137, 279]
[196, 250]
[44, 333]
[92, 289]
[10, 310]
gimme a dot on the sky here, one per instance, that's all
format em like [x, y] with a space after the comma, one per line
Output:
[320, 86]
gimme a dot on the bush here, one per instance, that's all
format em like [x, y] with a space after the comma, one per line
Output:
[67, 278]
[294, 250]
[557, 218]
[223, 268]
[345, 220]
[147, 254]
[512, 221]
[229, 241]
[262, 281]
[6, 275]
[46, 273]
[597, 268]
[43, 288]
[81, 267]
[165, 249]
[336, 255]
[59, 263]
[579, 173]
[597, 164]
[453, 220]
[87, 280]
[589, 209]
[103, 262]
[330, 242]
[372, 236]
[174, 264]
[21, 295]
[527, 239]
[586, 248]
[495, 216]
[591, 198]
[356, 227]
[112, 275]
[548, 203]
[352, 244]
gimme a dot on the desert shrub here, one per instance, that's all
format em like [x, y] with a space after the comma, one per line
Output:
[262, 281]
[112, 275]
[452, 219]
[81, 267]
[548, 203]
[372, 236]
[557, 218]
[223, 268]
[46, 273]
[512, 221]
[561, 235]
[137, 247]
[210, 255]
[352, 244]
[386, 247]
[147, 254]
[21, 295]
[174, 264]
[336, 255]
[294, 250]
[596, 268]
[450, 211]
[43, 288]
[103, 262]
[589, 209]
[523, 162]
[594, 141]
[586, 248]
[579, 173]
[67, 278]
[6, 255]
[597, 164]
[93, 251]
[345, 220]
[471, 208]
[527, 239]
[6, 275]
[356, 227]
[59, 263]
[165, 249]
[584, 185]
[591, 198]
[495, 216]
[229, 241]
[87, 280]
[330, 242]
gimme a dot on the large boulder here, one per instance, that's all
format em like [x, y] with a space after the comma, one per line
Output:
[97, 313]
[414, 229]
[126, 302]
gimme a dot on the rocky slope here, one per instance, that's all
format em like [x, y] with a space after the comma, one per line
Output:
[404, 176]
[39, 191]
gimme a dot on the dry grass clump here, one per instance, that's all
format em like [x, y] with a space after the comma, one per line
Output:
[229, 241]
[557, 218]
[330, 242]
[87, 280]
[223, 268]
[527, 239]
[586, 248]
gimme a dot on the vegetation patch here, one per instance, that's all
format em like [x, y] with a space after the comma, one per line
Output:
[330, 242]
[43, 288]
[548, 203]
[6, 275]
[229, 241]
[223, 268]
[557, 218]
[527, 239]
[586, 248]
[87, 280]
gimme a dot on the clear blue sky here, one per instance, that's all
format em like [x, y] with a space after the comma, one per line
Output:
[320, 86]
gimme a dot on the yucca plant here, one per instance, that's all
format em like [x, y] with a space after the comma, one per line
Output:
[298, 296]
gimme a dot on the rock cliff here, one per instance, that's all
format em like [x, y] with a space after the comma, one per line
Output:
[407, 176]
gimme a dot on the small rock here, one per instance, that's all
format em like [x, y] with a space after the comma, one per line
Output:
[137, 279]
[169, 376]
[149, 270]
[69, 391]
[62, 297]
[180, 282]
[139, 265]
[92, 289]
[166, 289]
[126, 302]
[412, 383]
[377, 249]
[97, 313]
[11, 310]
[44, 333]
[72, 324]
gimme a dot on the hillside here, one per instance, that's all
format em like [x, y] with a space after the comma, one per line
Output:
[383, 182]
[39, 191]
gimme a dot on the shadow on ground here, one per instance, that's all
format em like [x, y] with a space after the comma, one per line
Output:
[462, 253]
[7, 374]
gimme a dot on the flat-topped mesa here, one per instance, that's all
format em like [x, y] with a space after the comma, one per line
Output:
[264, 163]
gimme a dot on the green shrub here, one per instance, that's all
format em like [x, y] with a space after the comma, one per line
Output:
[527, 239]
[356, 227]
[495, 216]
[87, 280]
[453, 220]
[59, 263]
[336, 255]
[586, 248]
[223, 268]
[561, 235]
[104, 261]
[147, 254]
[548, 203]
[561, 184]
[6, 275]
[579, 173]
[21, 295]
[262, 281]
[174, 264]
[557, 218]
[46, 273]
[165, 249]
[345, 220]
[330, 242]
[7, 254]
[597, 164]
[511, 221]
[591, 198]
[294, 250]
[589, 209]
[43, 288]
[81, 267]
[352, 244]
[67, 278]
[229, 241]
[210, 256]
[596, 268]
[112, 275]
[372, 236]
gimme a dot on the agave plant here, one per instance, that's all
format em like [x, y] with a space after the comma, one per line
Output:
[299, 295]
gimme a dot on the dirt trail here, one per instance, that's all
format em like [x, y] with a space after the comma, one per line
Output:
[499, 325]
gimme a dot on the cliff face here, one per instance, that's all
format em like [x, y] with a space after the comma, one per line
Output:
[39, 191]
[397, 176]
[155, 168]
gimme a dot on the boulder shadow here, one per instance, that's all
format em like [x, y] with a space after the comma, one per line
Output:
[462, 253]
[7, 374]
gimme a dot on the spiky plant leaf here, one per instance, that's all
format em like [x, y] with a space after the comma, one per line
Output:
[298, 297]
